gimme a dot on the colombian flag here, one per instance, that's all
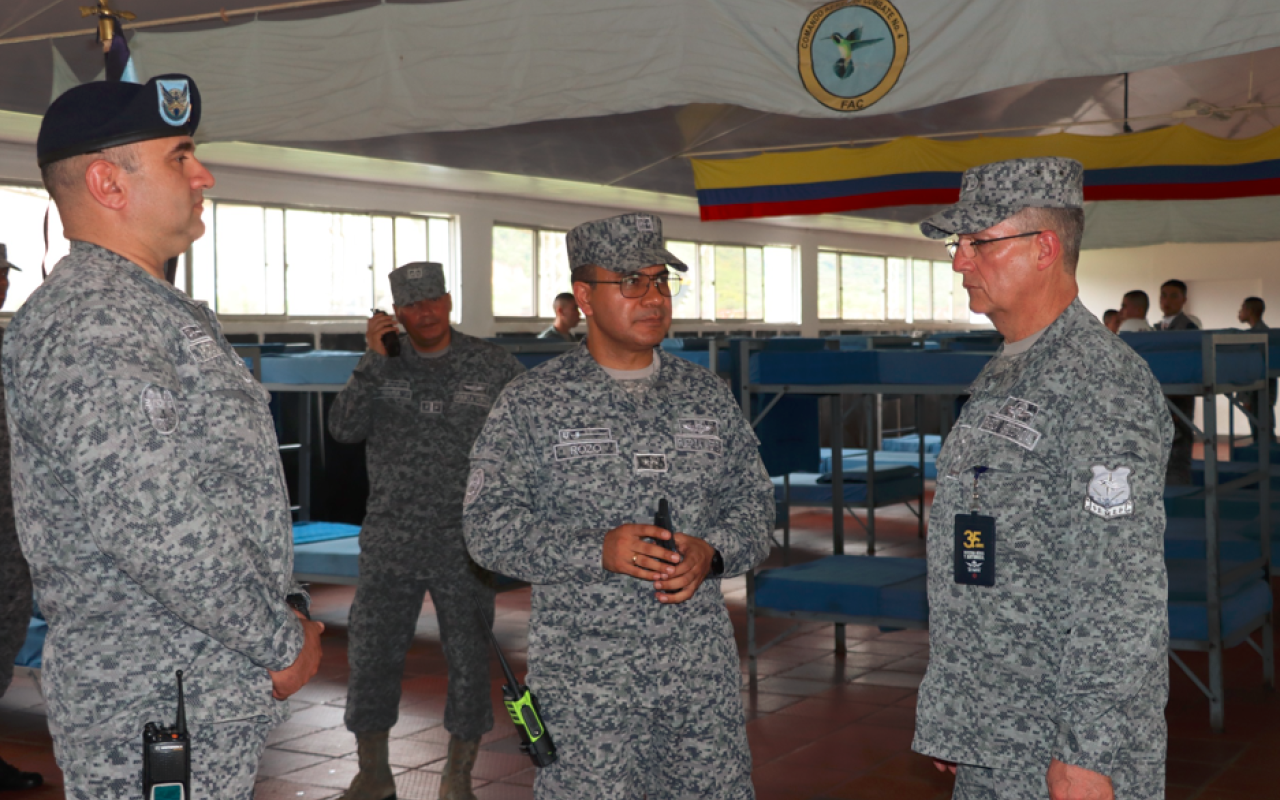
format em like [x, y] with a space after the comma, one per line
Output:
[1176, 163]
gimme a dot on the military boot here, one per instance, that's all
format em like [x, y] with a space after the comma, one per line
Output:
[455, 783]
[373, 781]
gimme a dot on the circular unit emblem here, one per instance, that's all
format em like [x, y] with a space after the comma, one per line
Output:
[852, 52]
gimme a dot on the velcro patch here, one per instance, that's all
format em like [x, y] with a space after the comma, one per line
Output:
[471, 399]
[700, 426]
[650, 462]
[565, 452]
[396, 389]
[431, 406]
[586, 435]
[699, 444]
[1005, 428]
[161, 408]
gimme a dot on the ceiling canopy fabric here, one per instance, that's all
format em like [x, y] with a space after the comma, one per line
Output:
[394, 69]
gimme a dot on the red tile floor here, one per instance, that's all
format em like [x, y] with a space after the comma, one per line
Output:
[819, 727]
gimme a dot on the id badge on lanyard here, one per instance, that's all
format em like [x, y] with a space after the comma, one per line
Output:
[975, 543]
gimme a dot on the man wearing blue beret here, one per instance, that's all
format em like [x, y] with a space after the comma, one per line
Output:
[148, 490]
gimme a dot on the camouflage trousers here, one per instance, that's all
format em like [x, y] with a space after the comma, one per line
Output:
[693, 748]
[979, 783]
[224, 763]
[15, 603]
[384, 615]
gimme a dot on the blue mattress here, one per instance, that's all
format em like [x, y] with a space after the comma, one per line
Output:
[32, 652]
[911, 444]
[856, 586]
[1242, 601]
[1184, 538]
[855, 461]
[1176, 356]
[531, 360]
[806, 490]
[703, 357]
[328, 367]
[307, 532]
[1230, 470]
[340, 558]
[881, 367]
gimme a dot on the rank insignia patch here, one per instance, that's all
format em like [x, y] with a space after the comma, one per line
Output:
[651, 462]
[161, 408]
[1108, 495]
[475, 484]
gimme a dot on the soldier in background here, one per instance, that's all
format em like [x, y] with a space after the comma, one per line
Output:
[150, 498]
[567, 318]
[1048, 625]
[1251, 311]
[631, 652]
[15, 577]
[419, 413]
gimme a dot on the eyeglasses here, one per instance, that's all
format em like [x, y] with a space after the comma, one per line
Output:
[970, 246]
[637, 284]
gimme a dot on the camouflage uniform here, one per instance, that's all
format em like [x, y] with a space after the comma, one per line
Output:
[1064, 443]
[15, 578]
[639, 696]
[1066, 656]
[154, 515]
[419, 416]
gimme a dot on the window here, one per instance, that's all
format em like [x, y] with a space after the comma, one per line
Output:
[22, 209]
[725, 282]
[854, 286]
[270, 261]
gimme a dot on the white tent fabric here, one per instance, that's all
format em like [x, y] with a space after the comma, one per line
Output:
[1139, 223]
[394, 69]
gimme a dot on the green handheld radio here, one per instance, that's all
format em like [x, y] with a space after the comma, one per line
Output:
[522, 706]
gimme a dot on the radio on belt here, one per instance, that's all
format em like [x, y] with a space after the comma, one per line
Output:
[166, 757]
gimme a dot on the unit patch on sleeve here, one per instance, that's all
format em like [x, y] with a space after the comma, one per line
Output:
[1108, 495]
[161, 408]
[1005, 428]
[475, 484]
[650, 462]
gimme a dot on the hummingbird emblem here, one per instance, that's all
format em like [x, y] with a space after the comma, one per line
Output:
[847, 44]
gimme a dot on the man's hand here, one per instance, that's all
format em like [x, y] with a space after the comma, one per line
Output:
[1067, 782]
[304, 667]
[379, 325]
[944, 766]
[626, 552]
[695, 564]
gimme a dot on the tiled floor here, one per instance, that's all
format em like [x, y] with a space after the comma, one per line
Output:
[819, 727]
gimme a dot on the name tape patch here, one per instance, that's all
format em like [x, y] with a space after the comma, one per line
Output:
[1005, 428]
[565, 452]
[396, 389]
[650, 462]
[586, 435]
[472, 399]
[699, 444]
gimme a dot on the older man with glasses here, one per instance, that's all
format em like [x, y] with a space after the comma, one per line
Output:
[1048, 632]
[631, 652]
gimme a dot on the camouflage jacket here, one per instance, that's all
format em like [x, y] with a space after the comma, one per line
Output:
[419, 417]
[567, 455]
[151, 503]
[1066, 655]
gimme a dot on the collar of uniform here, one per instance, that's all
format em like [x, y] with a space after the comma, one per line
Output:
[1057, 329]
[131, 270]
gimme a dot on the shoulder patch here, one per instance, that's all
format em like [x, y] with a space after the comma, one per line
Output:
[161, 408]
[1109, 495]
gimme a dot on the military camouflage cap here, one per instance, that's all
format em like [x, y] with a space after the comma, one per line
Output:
[5, 263]
[622, 244]
[992, 193]
[418, 280]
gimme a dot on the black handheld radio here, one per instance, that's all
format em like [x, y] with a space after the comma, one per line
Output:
[166, 757]
[390, 339]
[663, 520]
[522, 706]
